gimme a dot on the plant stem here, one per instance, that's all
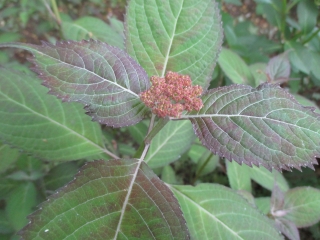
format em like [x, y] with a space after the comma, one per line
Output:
[56, 11]
[160, 124]
[201, 168]
[310, 38]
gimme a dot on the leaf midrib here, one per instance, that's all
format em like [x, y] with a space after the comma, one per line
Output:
[207, 212]
[171, 41]
[238, 115]
[56, 123]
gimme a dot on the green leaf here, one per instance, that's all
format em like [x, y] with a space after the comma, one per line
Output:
[263, 204]
[40, 124]
[138, 132]
[307, 15]
[234, 67]
[60, 175]
[278, 68]
[116, 199]
[5, 226]
[168, 145]
[267, 179]
[315, 64]
[175, 35]
[102, 77]
[91, 27]
[168, 175]
[299, 57]
[238, 176]
[207, 163]
[306, 102]
[252, 125]
[215, 212]
[302, 205]
[258, 73]
[20, 204]
[8, 157]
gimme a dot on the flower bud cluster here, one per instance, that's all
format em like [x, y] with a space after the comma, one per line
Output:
[171, 95]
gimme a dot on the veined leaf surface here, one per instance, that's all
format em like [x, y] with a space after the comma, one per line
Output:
[168, 145]
[302, 205]
[102, 77]
[90, 27]
[263, 126]
[216, 212]
[117, 199]
[175, 35]
[40, 124]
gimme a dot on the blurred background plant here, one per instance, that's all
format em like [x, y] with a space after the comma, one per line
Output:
[255, 31]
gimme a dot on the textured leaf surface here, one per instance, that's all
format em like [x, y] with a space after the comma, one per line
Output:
[117, 199]
[215, 212]
[278, 68]
[90, 27]
[102, 77]
[40, 124]
[168, 145]
[263, 126]
[176, 35]
[235, 68]
[302, 205]
[288, 228]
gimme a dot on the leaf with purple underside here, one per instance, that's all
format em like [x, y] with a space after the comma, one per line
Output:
[117, 199]
[263, 126]
[179, 36]
[289, 229]
[102, 77]
[278, 68]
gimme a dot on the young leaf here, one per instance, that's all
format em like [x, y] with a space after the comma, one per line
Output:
[102, 77]
[278, 68]
[20, 204]
[235, 68]
[116, 199]
[263, 126]
[267, 179]
[91, 27]
[176, 35]
[287, 228]
[307, 15]
[299, 57]
[263, 204]
[258, 73]
[168, 145]
[40, 124]
[238, 176]
[215, 212]
[302, 205]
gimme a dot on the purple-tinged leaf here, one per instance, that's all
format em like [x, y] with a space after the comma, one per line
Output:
[278, 68]
[102, 77]
[263, 126]
[277, 202]
[116, 199]
[287, 228]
